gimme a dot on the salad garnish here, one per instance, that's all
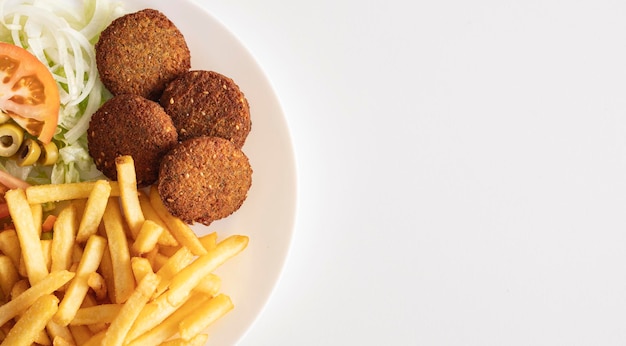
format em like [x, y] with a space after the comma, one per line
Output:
[63, 38]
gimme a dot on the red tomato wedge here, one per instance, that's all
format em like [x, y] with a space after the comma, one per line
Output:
[28, 92]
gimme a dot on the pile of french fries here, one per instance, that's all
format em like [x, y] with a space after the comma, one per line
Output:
[110, 267]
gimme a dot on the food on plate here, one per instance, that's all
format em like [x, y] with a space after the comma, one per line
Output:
[77, 289]
[49, 154]
[207, 103]
[127, 181]
[140, 52]
[204, 179]
[29, 108]
[142, 57]
[181, 232]
[93, 211]
[101, 291]
[41, 194]
[131, 125]
[94, 239]
[29, 153]
[123, 321]
[28, 235]
[62, 40]
[28, 92]
[11, 138]
[32, 322]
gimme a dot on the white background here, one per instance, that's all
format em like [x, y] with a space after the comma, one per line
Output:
[461, 169]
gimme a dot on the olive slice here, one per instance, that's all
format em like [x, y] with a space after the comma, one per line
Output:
[11, 137]
[49, 154]
[29, 153]
[4, 117]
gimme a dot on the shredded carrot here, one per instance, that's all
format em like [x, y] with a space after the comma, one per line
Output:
[48, 223]
[12, 182]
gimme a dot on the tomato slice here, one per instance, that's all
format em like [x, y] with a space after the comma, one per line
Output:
[28, 92]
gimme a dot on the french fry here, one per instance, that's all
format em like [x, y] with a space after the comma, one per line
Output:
[197, 340]
[80, 333]
[120, 326]
[77, 289]
[127, 181]
[19, 287]
[183, 282]
[173, 265]
[159, 330]
[8, 275]
[141, 267]
[40, 194]
[123, 279]
[94, 209]
[180, 230]
[46, 250]
[61, 341]
[10, 246]
[166, 238]
[133, 300]
[168, 251]
[33, 321]
[185, 235]
[60, 335]
[209, 241]
[27, 234]
[96, 339]
[42, 337]
[204, 316]
[209, 285]
[106, 270]
[147, 237]
[81, 203]
[21, 269]
[96, 282]
[156, 312]
[95, 328]
[37, 212]
[77, 254]
[64, 238]
[157, 260]
[103, 313]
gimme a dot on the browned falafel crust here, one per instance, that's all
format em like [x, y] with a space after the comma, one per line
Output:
[204, 179]
[139, 53]
[206, 103]
[131, 125]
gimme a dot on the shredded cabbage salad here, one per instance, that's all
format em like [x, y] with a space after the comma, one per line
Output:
[63, 38]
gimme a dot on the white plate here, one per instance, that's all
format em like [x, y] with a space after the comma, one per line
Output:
[267, 215]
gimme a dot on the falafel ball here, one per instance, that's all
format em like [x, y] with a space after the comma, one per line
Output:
[204, 179]
[131, 125]
[139, 53]
[206, 103]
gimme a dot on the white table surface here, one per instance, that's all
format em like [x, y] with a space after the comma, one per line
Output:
[461, 169]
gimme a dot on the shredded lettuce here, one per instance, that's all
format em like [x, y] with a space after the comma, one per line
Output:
[63, 38]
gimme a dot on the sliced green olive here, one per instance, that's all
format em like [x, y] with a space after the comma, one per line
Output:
[11, 137]
[4, 117]
[49, 154]
[29, 153]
